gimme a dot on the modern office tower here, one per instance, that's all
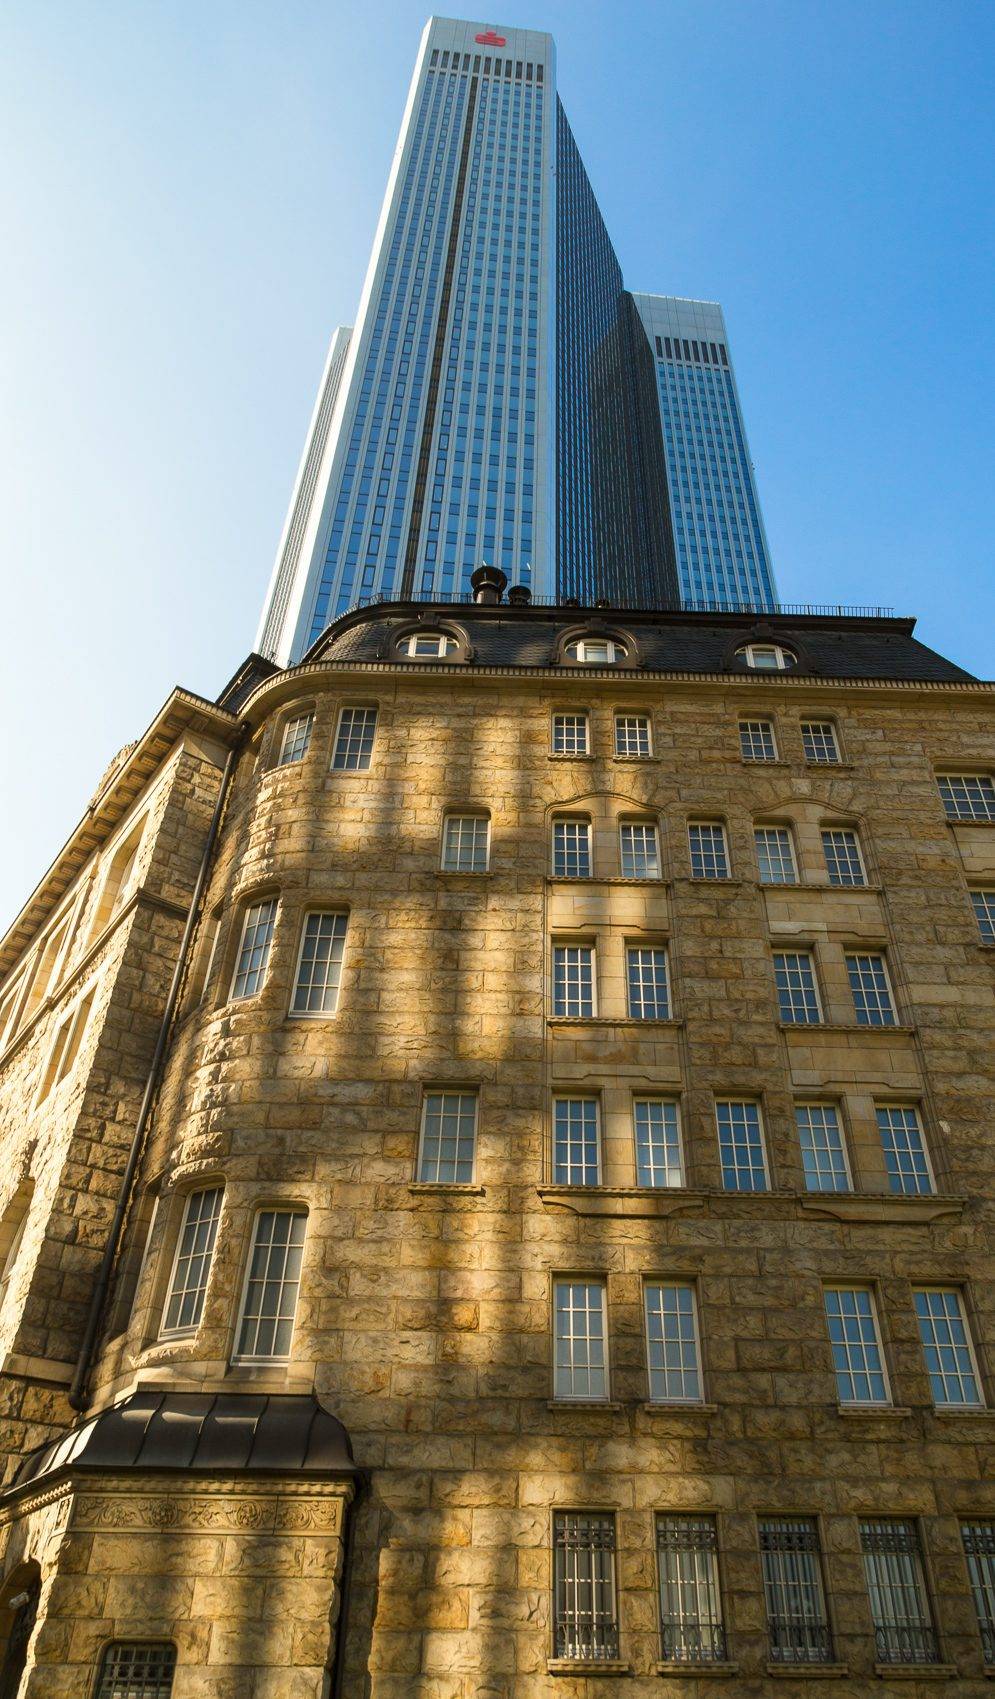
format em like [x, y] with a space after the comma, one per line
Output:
[722, 555]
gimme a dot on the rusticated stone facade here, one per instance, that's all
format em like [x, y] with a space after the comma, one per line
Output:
[426, 1314]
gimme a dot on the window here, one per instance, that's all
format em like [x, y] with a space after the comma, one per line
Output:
[756, 740]
[904, 1147]
[12, 1232]
[709, 857]
[571, 849]
[429, 645]
[858, 1362]
[632, 734]
[657, 1128]
[639, 848]
[896, 1586]
[596, 651]
[571, 734]
[66, 1045]
[354, 740]
[319, 966]
[585, 1611]
[823, 1153]
[872, 1002]
[690, 1600]
[649, 989]
[448, 1138]
[797, 997]
[192, 1262]
[947, 1348]
[797, 1624]
[979, 1549]
[741, 1147]
[775, 855]
[580, 1364]
[766, 657]
[984, 911]
[296, 739]
[573, 980]
[253, 949]
[466, 843]
[673, 1357]
[967, 796]
[123, 870]
[269, 1302]
[843, 859]
[576, 1141]
[136, 1669]
[819, 742]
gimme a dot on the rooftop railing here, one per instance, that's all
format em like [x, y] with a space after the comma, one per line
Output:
[796, 610]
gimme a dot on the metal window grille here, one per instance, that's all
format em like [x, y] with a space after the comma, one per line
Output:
[572, 849]
[947, 1348]
[819, 742]
[632, 734]
[137, 1670]
[640, 850]
[570, 734]
[843, 861]
[649, 988]
[575, 1142]
[984, 913]
[319, 968]
[580, 1366]
[672, 1352]
[709, 857]
[904, 1148]
[266, 1324]
[797, 1623]
[756, 740]
[192, 1266]
[354, 742]
[979, 1549]
[658, 1142]
[585, 1611]
[896, 1585]
[775, 855]
[741, 1147]
[465, 843]
[253, 950]
[794, 979]
[573, 980]
[967, 796]
[449, 1133]
[872, 1002]
[692, 1630]
[856, 1346]
[823, 1154]
[296, 739]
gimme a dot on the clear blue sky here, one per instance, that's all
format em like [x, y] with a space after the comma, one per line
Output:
[188, 193]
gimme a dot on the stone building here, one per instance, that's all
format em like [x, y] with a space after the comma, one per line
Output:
[497, 1177]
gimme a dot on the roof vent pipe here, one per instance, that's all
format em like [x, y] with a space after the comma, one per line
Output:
[519, 596]
[487, 584]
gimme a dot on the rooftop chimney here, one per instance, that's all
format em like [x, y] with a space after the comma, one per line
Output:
[519, 596]
[487, 584]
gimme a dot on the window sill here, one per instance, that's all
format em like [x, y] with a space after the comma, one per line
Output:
[700, 879]
[560, 1404]
[458, 1188]
[760, 761]
[970, 1413]
[587, 1666]
[830, 766]
[881, 1206]
[704, 1669]
[677, 1407]
[613, 879]
[899, 1027]
[570, 755]
[633, 1202]
[955, 821]
[916, 1672]
[816, 1672]
[464, 872]
[613, 1020]
[633, 760]
[874, 1410]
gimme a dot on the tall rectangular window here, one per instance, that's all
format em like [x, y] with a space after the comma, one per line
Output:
[576, 1141]
[797, 1623]
[354, 740]
[904, 1148]
[466, 843]
[673, 1355]
[797, 997]
[296, 739]
[137, 1669]
[573, 980]
[983, 903]
[967, 796]
[585, 1612]
[571, 735]
[858, 1361]
[319, 965]
[947, 1348]
[775, 856]
[707, 844]
[448, 1138]
[819, 742]
[823, 1153]
[253, 949]
[572, 849]
[872, 1004]
[896, 1587]
[639, 845]
[648, 983]
[979, 1549]
[580, 1363]
[690, 1598]
[844, 864]
[632, 734]
[756, 740]
[656, 1123]
[192, 1262]
[269, 1302]
[741, 1147]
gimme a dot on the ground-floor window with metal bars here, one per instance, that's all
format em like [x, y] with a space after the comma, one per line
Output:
[134, 1669]
[797, 1623]
[896, 1584]
[586, 1611]
[979, 1548]
[691, 1626]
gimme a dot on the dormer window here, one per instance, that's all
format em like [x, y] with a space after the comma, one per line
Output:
[766, 657]
[429, 645]
[595, 651]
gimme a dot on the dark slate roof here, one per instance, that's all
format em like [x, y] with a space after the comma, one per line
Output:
[827, 646]
[223, 1433]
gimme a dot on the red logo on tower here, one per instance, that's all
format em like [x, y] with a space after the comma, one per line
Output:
[490, 38]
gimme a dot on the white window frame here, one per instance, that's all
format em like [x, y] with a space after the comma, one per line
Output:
[581, 820]
[445, 642]
[562, 1392]
[800, 954]
[852, 832]
[578, 1097]
[280, 1208]
[453, 815]
[590, 945]
[744, 1102]
[248, 907]
[748, 741]
[718, 826]
[779, 829]
[577, 649]
[635, 946]
[858, 1403]
[620, 722]
[290, 724]
[784, 658]
[951, 1404]
[651, 1166]
[875, 955]
[987, 894]
[824, 1104]
[579, 717]
[883, 1106]
[465, 1095]
[649, 826]
[821, 726]
[65, 1046]
[324, 1013]
[658, 1284]
[191, 1328]
[987, 817]
[354, 708]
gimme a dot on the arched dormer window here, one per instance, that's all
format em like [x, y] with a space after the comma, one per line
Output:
[596, 646]
[767, 657]
[431, 643]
